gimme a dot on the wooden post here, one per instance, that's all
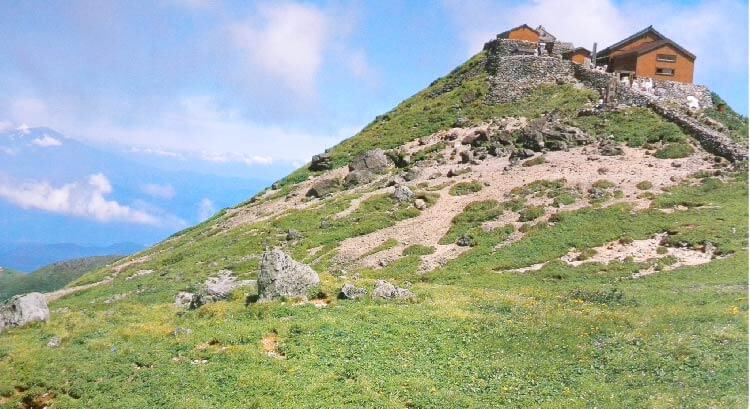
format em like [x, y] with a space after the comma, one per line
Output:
[593, 55]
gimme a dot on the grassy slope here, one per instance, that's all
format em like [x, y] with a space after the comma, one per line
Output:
[51, 277]
[476, 337]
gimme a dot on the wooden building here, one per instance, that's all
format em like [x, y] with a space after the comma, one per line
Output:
[522, 32]
[648, 53]
[578, 55]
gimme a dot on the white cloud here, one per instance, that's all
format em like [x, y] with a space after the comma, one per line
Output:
[156, 151]
[206, 209]
[286, 40]
[80, 199]
[199, 127]
[5, 126]
[158, 191]
[46, 141]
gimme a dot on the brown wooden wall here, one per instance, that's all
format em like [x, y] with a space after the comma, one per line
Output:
[524, 33]
[683, 67]
[622, 62]
[579, 58]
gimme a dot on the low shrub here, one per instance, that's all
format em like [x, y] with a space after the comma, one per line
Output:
[465, 188]
[674, 151]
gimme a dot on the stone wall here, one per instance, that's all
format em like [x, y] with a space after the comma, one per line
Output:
[513, 77]
[712, 140]
[503, 47]
[678, 92]
[644, 91]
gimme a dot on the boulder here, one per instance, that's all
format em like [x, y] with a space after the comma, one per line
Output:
[324, 187]
[350, 292]
[281, 276]
[550, 133]
[359, 177]
[374, 160]
[184, 299]
[458, 172]
[293, 235]
[420, 204]
[321, 162]
[609, 147]
[412, 174]
[387, 291]
[221, 286]
[403, 194]
[23, 309]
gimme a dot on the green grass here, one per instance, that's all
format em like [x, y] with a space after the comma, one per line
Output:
[461, 94]
[633, 126]
[562, 336]
[418, 250]
[470, 220]
[465, 188]
[735, 123]
[674, 151]
[644, 185]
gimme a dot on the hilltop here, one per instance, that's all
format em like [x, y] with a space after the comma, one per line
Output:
[548, 249]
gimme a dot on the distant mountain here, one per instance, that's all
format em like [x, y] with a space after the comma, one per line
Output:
[51, 277]
[32, 256]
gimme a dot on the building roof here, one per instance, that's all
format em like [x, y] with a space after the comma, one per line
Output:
[545, 35]
[646, 47]
[505, 34]
[648, 30]
[578, 50]
[656, 44]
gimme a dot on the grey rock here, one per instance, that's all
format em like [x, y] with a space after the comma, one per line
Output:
[374, 160]
[387, 291]
[281, 276]
[359, 177]
[550, 133]
[461, 122]
[465, 241]
[458, 172]
[325, 224]
[321, 162]
[23, 309]
[412, 174]
[350, 292]
[420, 204]
[609, 147]
[403, 194]
[293, 235]
[54, 342]
[221, 286]
[184, 299]
[324, 187]
[476, 138]
[181, 331]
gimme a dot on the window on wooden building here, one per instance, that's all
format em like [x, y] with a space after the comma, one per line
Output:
[665, 71]
[666, 57]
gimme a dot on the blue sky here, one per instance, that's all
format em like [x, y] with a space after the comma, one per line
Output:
[258, 82]
[261, 86]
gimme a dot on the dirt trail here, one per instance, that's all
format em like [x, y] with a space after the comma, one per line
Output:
[580, 167]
